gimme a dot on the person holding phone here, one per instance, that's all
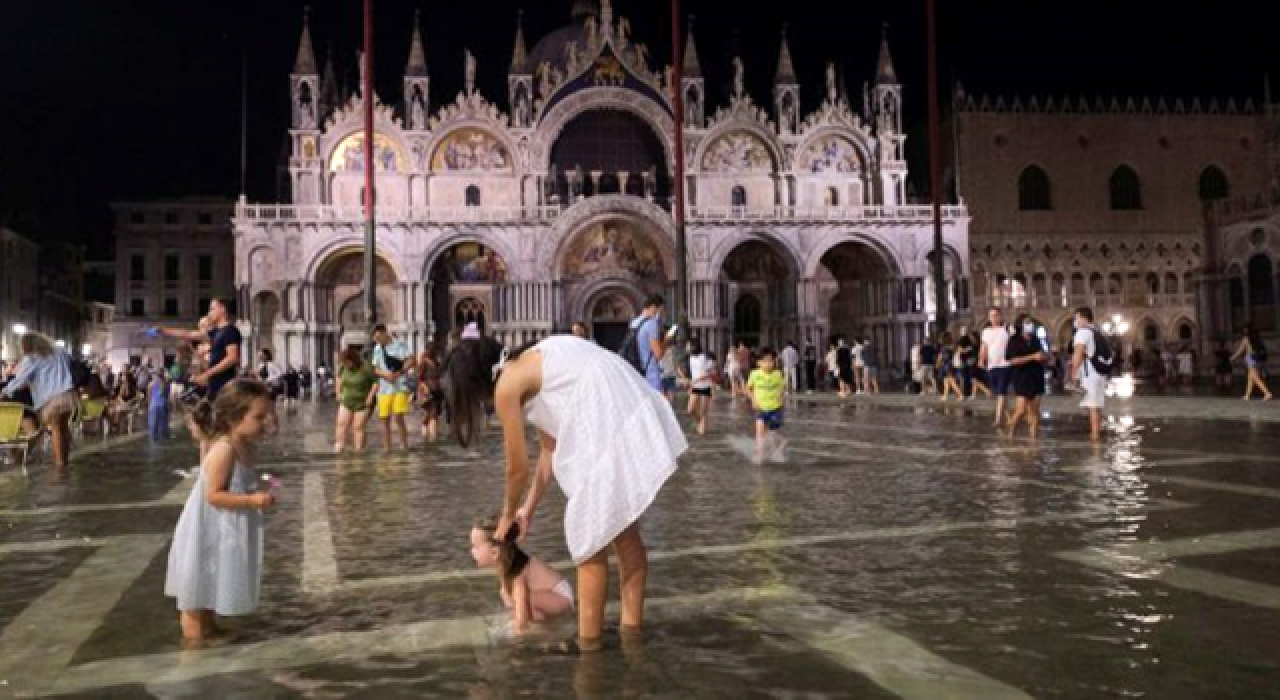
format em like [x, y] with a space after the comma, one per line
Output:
[651, 341]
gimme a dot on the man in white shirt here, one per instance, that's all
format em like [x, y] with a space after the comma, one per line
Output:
[995, 339]
[1093, 382]
[790, 364]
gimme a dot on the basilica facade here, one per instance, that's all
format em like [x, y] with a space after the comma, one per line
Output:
[556, 206]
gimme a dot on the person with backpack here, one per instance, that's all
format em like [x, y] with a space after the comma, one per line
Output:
[1254, 352]
[646, 342]
[1091, 362]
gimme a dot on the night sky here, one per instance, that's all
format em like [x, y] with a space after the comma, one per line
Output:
[104, 100]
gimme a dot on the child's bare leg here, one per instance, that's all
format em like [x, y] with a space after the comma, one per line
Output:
[633, 566]
[547, 604]
[762, 438]
[192, 622]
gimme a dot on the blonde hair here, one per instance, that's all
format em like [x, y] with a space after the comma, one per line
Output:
[35, 344]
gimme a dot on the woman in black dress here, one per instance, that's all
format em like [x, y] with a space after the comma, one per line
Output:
[1027, 357]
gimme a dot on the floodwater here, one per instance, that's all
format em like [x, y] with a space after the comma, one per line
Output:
[898, 551]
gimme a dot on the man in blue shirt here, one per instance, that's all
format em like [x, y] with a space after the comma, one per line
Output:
[651, 342]
[224, 352]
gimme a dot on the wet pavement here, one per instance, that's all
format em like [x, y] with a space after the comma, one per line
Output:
[902, 550]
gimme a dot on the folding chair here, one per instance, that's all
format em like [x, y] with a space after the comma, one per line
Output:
[11, 435]
[92, 411]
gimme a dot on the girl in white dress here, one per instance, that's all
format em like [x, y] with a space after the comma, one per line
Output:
[215, 562]
[610, 440]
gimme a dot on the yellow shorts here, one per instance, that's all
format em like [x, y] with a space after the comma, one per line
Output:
[393, 404]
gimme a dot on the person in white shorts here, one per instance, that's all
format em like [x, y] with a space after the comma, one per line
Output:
[1090, 380]
[858, 367]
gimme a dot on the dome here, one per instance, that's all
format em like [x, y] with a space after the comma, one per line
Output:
[551, 47]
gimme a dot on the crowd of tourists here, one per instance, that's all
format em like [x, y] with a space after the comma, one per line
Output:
[603, 420]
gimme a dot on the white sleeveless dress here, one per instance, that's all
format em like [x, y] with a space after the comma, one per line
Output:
[215, 561]
[617, 439]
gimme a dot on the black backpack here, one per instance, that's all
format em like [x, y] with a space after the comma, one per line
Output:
[393, 363]
[1104, 357]
[630, 349]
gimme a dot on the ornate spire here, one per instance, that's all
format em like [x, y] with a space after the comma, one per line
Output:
[582, 9]
[691, 68]
[520, 55]
[330, 91]
[786, 71]
[305, 64]
[417, 56]
[885, 75]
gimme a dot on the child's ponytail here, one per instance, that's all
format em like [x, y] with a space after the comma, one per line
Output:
[511, 559]
[216, 418]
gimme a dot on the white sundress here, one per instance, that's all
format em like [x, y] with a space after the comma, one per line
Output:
[215, 562]
[617, 439]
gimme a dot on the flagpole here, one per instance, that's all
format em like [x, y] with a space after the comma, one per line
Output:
[681, 302]
[370, 165]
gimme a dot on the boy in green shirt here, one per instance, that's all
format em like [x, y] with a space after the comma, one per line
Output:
[768, 386]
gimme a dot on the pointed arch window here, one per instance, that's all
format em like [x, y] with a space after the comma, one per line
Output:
[1034, 190]
[1213, 184]
[473, 196]
[1125, 189]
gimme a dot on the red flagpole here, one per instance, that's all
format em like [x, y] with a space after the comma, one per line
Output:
[370, 166]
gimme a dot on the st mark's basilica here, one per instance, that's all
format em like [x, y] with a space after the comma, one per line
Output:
[552, 204]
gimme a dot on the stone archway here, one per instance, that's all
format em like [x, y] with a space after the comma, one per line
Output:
[609, 313]
[761, 279]
[461, 284]
[857, 282]
[341, 317]
[612, 253]
[263, 316]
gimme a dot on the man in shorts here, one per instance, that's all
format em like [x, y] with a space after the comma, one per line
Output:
[1092, 382]
[995, 339]
[391, 362]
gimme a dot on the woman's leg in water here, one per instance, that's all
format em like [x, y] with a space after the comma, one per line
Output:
[593, 582]
[340, 428]
[633, 568]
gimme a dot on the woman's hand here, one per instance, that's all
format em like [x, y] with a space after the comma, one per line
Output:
[523, 516]
[504, 525]
[261, 500]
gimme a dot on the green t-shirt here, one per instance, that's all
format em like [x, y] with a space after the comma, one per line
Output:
[356, 384]
[767, 388]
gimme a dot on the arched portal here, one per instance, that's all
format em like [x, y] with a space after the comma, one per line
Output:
[618, 253]
[857, 283]
[340, 302]
[462, 283]
[599, 149]
[761, 281]
[610, 312]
